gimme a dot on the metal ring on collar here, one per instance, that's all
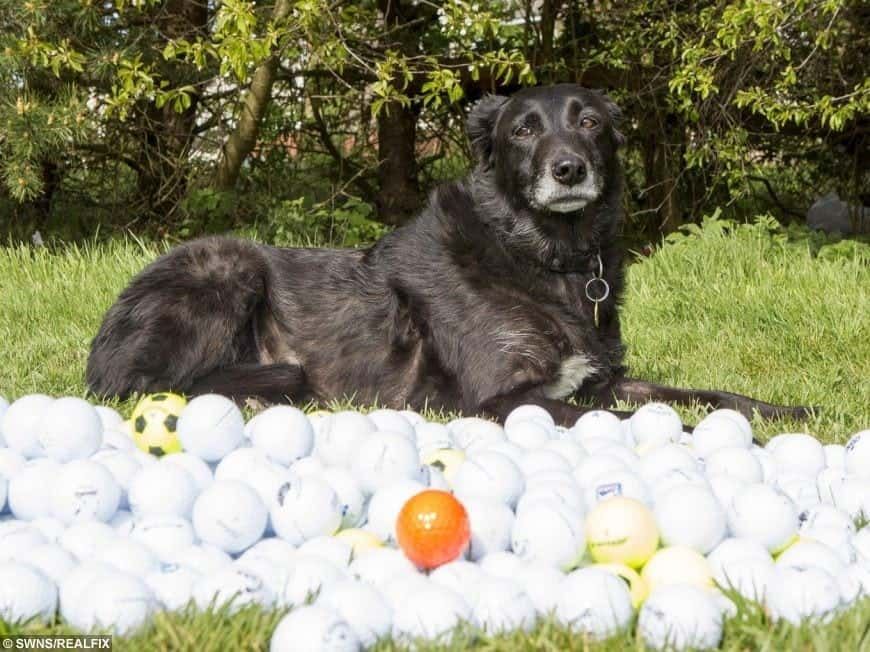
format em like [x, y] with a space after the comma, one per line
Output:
[605, 291]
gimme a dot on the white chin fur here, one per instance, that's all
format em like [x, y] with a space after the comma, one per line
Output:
[567, 206]
[553, 196]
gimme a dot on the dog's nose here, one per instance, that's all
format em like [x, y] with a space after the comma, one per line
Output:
[568, 170]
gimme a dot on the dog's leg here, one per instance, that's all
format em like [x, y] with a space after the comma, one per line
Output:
[275, 383]
[640, 391]
[564, 414]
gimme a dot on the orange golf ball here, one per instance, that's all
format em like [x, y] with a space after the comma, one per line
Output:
[433, 528]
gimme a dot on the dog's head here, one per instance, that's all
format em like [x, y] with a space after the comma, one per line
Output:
[552, 148]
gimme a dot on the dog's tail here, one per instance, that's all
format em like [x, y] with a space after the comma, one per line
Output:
[187, 324]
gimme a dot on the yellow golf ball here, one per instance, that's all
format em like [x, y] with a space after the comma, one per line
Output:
[621, 530]
[360, 541]
[637, 586]
[677, 565]
[446, 460]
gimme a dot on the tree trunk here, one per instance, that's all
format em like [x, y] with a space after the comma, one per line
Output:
[166, 134]
[398, 197]
[661, 170]
[241, 142]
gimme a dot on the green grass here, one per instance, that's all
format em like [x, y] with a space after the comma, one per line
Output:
[782, 317]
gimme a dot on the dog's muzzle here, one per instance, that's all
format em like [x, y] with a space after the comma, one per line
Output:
[568, 186]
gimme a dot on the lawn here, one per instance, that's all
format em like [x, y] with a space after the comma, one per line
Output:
[783, 316]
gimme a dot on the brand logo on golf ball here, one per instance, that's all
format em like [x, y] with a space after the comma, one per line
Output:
[612, 489]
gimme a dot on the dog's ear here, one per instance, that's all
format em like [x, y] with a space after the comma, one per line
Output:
[615, 118]
[481, 125]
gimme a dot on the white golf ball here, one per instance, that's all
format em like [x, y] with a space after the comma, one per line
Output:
[542, 460]
[430, 613]
[30, 490]
[680, 616]
[529, 412]
[461, 576]
[210, 427]
[491, 522]
[229, 515]
[84, 490]
[829, 484]
[654, 424]
[385, 505]
[17, 537]
[163, 534]
[570, 450]
[172, 585]
[595, 602]
[25, 593]
[597, 423]
[350, 495]
[764, 514]
[162, 489]
[11, 462]
[72, 587]
[689, 515]
[490, 475]
[271, 550]
[339, 435]
[715, 432]
[379, 566]
[502, 606]
[796, 594]
[20, 424]
[737, 462]
[384, 458]
[87, 538]
[232, 587]
[304, 508]
[835, 456]
[529, 434]
[542, 583]
[362, 607]
[123, 466]
[202, 558]
[129, 556]
[119, 602]
[804, 553]
[502, 564]
[431, 437]
[612, 484]
[307, 576]
[472, 433]
[665, 458]
[336, 551]
[751, 577]
[857, 455]
[200, 471]
[51, 559]
[316, 628]
[238, 464]
[733, 551]
[283, 433]
[798, 453]
[70, 429]
[392, 421]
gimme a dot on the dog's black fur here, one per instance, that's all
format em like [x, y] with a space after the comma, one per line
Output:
[478, 305]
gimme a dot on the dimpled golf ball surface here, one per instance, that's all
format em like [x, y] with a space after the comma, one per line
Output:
[433, 529]
[229, 515]
[680, 617]
[601, 525]
[210, 427]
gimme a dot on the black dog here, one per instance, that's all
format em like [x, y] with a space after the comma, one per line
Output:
[504, 291]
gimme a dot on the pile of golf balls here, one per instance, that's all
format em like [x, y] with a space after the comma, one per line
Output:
[590, 525]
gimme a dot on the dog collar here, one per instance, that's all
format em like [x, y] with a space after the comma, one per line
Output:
[597, 288]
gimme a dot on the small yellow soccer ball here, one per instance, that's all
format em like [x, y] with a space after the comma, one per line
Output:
[153, 423]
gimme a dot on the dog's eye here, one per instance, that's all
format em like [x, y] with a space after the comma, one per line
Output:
[588, 123]
[522, 131]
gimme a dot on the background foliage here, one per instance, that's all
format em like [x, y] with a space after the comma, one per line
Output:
[184, 116]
